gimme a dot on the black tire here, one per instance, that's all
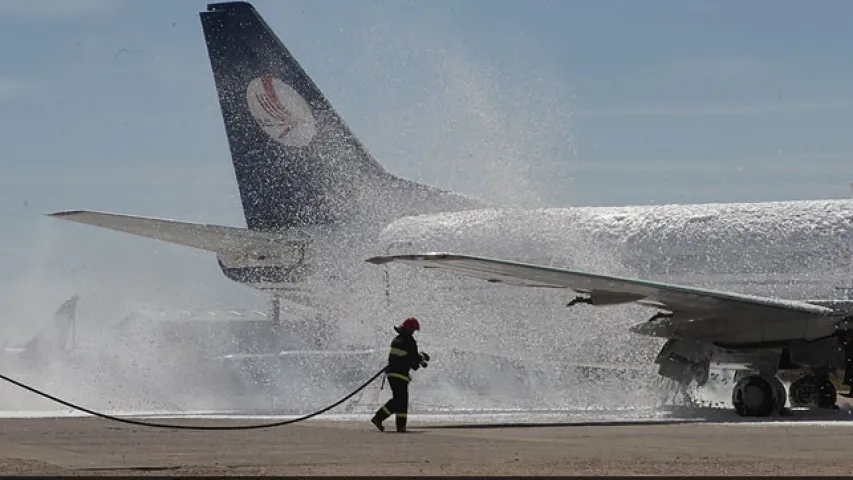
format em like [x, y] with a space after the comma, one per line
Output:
[800, 392]
[754, 396]
[827, 395]
[811, 391]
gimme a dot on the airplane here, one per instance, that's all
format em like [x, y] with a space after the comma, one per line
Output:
[55, 342]
[316, 203]
[759, 335]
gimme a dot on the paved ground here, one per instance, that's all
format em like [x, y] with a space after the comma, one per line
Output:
[86, 446]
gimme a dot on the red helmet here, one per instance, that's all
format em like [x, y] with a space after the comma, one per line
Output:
[410, 325]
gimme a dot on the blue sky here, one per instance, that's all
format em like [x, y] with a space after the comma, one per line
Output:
[110, 105]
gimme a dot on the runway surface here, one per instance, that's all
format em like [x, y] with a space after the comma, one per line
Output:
[436, 445]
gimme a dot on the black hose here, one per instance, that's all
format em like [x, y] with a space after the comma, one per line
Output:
[191, 427]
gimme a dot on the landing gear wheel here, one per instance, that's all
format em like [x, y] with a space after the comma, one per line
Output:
[812, 391]
[827, 395]
[801, 391]
[755, 396]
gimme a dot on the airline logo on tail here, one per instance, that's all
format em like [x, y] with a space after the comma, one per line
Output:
[281, 112]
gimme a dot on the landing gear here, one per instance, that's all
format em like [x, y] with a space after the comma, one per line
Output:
[813, 391]
[780, 394]
[310, 330]
[759, 396]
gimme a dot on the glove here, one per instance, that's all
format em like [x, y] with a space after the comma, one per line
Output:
[424, 359]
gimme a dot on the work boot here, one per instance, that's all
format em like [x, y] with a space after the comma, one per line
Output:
[401, 425]
[378, 423]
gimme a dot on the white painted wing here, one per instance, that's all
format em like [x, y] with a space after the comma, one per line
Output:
[606, 290]
[213, 238]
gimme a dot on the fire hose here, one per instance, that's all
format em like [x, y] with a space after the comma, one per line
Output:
[143, 423]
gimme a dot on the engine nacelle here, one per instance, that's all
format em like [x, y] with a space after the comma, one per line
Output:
[828, 352]
[685, 360]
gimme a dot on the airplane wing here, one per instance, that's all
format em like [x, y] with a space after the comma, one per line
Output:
[212, 238]
[731, 311]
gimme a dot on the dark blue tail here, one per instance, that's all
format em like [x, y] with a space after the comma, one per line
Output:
[297, 163]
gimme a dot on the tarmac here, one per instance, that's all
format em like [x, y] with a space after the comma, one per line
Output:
[88, 446]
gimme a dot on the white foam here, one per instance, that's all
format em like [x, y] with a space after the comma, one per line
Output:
[514, 332]
[798, 237]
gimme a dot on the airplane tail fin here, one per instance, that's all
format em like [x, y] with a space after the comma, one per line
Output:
[64, 321]
[55, 335]
[296, 161]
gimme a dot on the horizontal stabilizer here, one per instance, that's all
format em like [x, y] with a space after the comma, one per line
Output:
[212, 238]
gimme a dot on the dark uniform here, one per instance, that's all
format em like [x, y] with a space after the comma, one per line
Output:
[846, 341]
[402, 358]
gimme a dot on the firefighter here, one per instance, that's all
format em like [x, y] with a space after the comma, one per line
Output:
[846, 341]
[404, 356]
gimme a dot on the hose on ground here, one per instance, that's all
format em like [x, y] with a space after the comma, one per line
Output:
[143, 423]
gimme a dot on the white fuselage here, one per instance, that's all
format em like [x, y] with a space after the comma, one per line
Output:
[791, 249]
[796, 250]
